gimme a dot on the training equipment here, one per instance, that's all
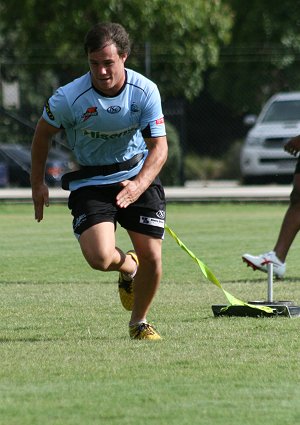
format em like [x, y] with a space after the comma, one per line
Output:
[126, 285]
[144, 331]
[278, 308]
[207, 272]
[212, 278]
[260, 262]
[237, 307]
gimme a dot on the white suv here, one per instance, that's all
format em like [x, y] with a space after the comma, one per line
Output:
[262, 156]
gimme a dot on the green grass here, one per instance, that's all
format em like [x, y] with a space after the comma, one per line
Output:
[65, 355]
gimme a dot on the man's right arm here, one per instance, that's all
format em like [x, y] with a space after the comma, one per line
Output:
[41, 143]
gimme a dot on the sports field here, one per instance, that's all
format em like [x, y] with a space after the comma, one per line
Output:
[65, 354]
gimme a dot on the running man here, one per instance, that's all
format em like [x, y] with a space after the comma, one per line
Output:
[114, 125]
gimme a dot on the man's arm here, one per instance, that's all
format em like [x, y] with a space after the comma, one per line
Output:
[41, 143]
[157, 156]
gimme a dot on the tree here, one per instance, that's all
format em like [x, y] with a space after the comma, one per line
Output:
[183, 37]
[262, 57]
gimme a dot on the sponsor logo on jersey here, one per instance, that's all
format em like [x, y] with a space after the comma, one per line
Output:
[113, 109]
[108, 136]
[48, 111]
[160, 121]
[90, 112]
[160, 214]
[151, 221]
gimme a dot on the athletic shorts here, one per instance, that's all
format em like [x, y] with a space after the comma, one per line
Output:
[97, 204]
[297, 169]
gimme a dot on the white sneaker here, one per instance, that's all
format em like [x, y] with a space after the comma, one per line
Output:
[260, 262]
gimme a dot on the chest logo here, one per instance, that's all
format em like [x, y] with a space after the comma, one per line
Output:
[90, 112]
[134, 107]
[113, 109]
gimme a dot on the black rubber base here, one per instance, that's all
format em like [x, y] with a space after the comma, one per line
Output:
[280, 309]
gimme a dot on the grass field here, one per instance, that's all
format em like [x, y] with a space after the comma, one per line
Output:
[65, 354]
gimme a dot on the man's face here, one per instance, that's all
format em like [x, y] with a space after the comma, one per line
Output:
[107, 69]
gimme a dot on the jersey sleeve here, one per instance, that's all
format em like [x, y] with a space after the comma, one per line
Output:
[57, 111]
[152, 119]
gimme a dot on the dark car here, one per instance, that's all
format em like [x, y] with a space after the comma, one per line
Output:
[18, 161]
[3, 174]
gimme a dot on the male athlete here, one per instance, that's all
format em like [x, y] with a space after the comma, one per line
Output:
[114, 124]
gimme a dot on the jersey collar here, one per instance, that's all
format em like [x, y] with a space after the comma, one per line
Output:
[117, 94]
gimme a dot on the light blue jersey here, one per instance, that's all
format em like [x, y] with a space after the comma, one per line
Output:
[105, 130]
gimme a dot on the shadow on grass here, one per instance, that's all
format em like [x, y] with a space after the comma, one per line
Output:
[33, 339]
[43, 283]
[264, 280]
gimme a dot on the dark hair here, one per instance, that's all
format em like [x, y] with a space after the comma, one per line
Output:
[103, 34]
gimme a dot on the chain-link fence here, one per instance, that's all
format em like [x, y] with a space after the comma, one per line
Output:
[209, 131]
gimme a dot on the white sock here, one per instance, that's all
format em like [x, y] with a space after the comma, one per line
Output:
[130, 276]
[138, 323]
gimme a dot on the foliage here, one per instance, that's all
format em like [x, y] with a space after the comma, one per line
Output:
[202, 168]
[231, 161]
[185, 37]
[262, 57]
[170, 174]
[198, 167]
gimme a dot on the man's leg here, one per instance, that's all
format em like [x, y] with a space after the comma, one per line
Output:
[288, 231]
[147, 279]
[98, 247]
[291, 223]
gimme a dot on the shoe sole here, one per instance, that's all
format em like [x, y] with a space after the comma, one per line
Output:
[254, 267]
[147, 338]
[126, 298]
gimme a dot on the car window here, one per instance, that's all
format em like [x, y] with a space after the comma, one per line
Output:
[288, 110]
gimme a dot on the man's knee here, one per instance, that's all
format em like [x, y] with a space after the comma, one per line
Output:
[295, 194]
[152, 260]
[97, 260]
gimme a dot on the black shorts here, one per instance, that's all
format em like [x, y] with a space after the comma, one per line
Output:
[97, 204]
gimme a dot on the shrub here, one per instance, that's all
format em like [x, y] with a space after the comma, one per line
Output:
[202, 168]
[206, 168]
[171, 172]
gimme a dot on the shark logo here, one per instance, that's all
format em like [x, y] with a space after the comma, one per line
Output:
[90, 112]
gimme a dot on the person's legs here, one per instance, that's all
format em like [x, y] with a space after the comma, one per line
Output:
[95, 215]
[147, 279]
[289, 228]
[98, 247]
[291, 223]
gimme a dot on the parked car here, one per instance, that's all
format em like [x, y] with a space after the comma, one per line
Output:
[18, 161]
[263, 158]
